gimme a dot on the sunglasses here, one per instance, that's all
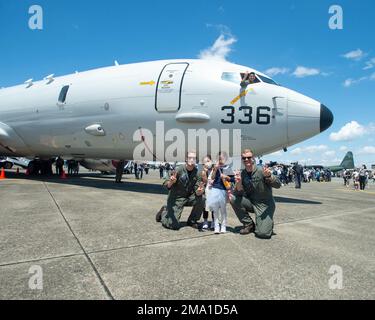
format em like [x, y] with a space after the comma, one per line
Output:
[246, 158]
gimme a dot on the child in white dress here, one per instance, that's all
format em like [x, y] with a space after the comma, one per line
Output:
[216, 199]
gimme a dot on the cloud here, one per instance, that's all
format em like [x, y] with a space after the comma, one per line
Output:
[276, 154]
[310, 149]
[221, 48]
[349, 82]
[221, 28]
[354, 55]
[296, 151]
[305, 161]
[370, 64]
[302, 72]
[330, 153]
[343, 148]
[299, 72]
[313, 149]
[326, 74]
[367, 150]
[332, 161]
[275, 71]
[350, 131]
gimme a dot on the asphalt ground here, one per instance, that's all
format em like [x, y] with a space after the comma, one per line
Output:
[88, 238]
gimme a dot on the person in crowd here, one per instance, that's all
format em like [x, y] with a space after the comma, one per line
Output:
[119, 171]
[362, 177]
[59, 166]
[355, 177]
[161, 170]
[298, 172]
[207, 179]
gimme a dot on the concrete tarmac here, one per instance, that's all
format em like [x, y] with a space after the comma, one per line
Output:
[89, 238]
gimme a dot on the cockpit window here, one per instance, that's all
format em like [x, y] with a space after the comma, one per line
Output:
[251, 78]
[231, 77]
[267, 80]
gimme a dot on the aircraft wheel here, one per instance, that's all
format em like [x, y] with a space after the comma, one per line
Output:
[31, 167]
[8, 165]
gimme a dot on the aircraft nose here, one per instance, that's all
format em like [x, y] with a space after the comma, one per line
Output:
[326, 118]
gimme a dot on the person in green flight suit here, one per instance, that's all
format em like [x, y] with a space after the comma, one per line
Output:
[253, 193]
[186, 188]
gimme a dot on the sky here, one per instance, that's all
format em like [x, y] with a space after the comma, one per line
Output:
[289, 40]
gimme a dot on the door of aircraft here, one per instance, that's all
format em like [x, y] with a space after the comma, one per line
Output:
[280, 118]
[169, 86]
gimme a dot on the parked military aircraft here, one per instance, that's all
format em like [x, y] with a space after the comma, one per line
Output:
[346, 163]
[101, 113]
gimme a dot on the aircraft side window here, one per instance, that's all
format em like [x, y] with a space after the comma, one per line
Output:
[231, 77]
[63, 94]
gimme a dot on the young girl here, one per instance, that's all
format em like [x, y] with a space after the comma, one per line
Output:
[206, 177]
[217, 196]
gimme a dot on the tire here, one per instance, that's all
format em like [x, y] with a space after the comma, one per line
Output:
[8, 165]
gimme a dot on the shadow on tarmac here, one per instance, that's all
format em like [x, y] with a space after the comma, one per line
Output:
[107, 182]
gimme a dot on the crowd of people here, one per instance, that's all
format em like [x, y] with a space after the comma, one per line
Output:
[359, 177]
[73, 167]
[139, 168]
[136, 168]
[165, 169]
[296, 173]
[45, 167]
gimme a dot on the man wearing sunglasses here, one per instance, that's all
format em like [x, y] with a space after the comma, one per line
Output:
[253, 193]
[185, 189]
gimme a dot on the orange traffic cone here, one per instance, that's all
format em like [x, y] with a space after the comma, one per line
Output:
[2, 175]
[63, 175]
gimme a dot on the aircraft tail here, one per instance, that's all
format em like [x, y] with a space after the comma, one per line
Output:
[348, 161]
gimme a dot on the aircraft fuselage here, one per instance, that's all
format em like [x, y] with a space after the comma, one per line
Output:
[102, 113]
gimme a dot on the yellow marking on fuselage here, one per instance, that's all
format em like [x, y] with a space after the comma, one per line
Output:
[242, 94]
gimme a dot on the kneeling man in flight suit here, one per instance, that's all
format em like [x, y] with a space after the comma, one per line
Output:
[185, 189]
[253, 193]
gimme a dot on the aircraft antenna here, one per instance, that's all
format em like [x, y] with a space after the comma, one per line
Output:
[49, 78]
[29, 83]
[146, 145]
